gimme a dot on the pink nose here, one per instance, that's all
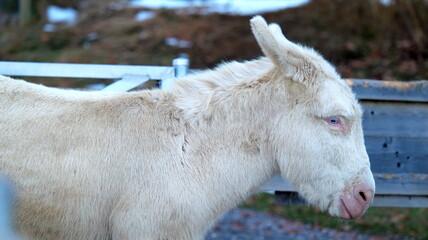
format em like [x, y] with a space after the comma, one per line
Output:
[364, 195]
[355, 203]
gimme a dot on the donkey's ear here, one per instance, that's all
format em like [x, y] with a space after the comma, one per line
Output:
[296, 62]
[265, 38]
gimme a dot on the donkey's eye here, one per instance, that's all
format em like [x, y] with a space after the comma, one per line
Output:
[334, 121]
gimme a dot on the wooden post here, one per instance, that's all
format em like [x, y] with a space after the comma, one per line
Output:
[25, 13]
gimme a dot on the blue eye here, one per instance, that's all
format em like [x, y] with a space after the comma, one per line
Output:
[334, 120]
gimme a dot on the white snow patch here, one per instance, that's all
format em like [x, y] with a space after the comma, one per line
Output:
[144, 16]
[241, 7]
[62, 15]
[174, 42]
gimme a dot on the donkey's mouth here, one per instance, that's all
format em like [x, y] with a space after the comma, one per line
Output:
[346, 215]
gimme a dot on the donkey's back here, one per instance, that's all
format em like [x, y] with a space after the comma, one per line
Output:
[72, 155]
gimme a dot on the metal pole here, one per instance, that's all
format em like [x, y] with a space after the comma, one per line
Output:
[181, 67]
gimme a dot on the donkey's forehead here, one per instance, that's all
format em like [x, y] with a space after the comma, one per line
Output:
[336, 98]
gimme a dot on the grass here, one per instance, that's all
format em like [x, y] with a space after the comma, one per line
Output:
[405, 222]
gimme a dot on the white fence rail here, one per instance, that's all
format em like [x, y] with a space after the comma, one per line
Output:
[127, 77]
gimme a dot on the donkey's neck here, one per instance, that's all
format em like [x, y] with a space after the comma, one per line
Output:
[229, 122]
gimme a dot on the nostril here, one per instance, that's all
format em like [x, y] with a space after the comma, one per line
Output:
[363, 196]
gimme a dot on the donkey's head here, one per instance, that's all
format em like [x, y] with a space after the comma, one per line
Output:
[317, 136]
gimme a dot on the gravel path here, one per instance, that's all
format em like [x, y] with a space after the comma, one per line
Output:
[241, 224]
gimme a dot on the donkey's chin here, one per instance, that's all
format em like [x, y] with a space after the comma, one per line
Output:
[345, 211]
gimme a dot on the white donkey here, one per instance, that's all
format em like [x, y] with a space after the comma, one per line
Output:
[166, 164]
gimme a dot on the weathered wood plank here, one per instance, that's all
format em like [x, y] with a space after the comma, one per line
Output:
[292, 198]
[400, 201]
[395, 119]
[401, 184]
[414, 91]
[277, 183]
[398, 154]
[386, 184]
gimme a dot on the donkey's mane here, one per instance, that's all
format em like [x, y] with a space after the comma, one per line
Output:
[195, 92]
[226, 75]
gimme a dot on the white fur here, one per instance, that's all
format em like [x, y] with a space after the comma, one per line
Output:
[166, 165]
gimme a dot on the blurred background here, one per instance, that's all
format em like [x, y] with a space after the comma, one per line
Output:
[373, 39]
[370, 39]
